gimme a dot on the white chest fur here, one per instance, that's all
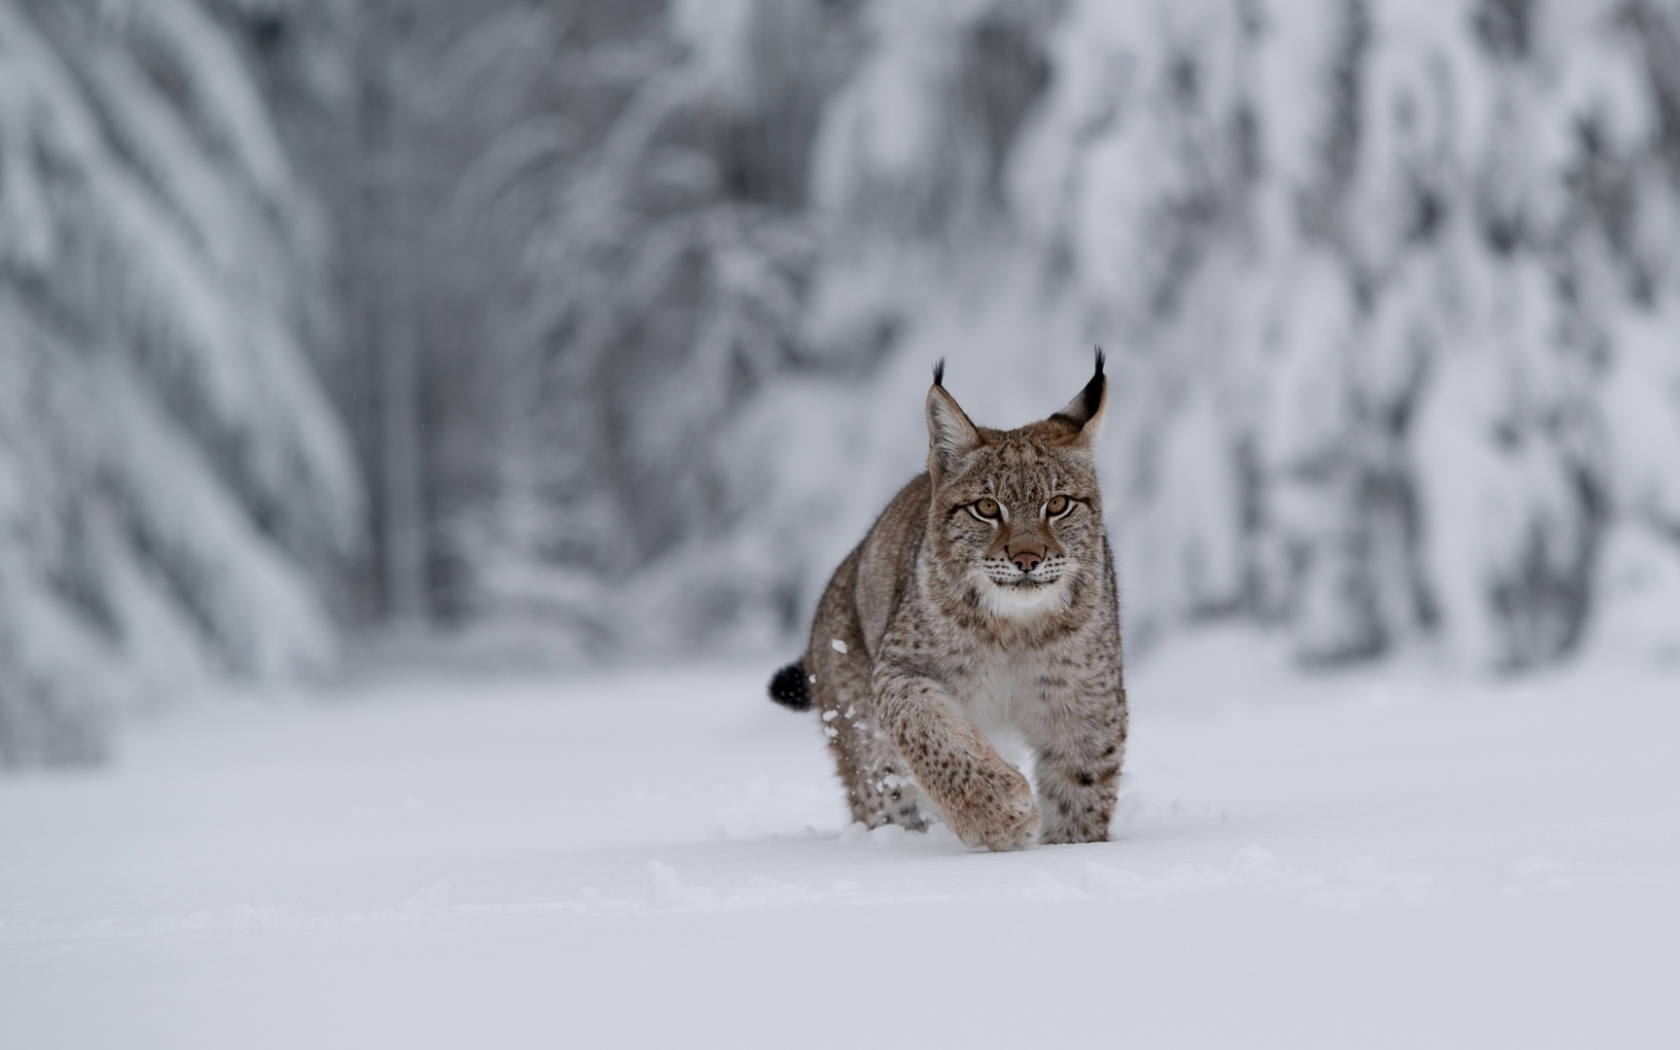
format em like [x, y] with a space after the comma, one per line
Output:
[1000, 693]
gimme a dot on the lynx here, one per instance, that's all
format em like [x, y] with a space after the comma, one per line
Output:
[979, 611]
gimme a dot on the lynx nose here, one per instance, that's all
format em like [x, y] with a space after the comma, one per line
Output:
[1026, 561]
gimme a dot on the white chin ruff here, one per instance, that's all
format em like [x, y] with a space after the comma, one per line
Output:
[1017, 601]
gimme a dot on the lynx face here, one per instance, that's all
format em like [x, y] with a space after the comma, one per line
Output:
[1016, 518]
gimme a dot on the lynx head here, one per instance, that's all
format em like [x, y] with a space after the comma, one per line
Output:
[1015, 526]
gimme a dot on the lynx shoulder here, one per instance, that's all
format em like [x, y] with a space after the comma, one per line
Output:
[980, 611]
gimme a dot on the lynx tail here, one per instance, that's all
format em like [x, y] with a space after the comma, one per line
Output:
[791, 688]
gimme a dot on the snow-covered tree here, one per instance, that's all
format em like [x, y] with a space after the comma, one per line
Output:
[629, 305]
[1388, 287]
[175, 489]
[1391, 290]
[605, 220]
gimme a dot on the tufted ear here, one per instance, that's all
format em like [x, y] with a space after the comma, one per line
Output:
[950, 434]
[1088, 409]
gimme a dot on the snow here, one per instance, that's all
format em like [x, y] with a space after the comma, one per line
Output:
[661, 857]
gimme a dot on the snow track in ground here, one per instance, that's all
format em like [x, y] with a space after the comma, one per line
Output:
[661, 858]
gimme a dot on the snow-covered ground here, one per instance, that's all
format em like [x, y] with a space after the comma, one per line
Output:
[661, 858]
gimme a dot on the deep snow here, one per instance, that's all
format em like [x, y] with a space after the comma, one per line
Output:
[661, 858]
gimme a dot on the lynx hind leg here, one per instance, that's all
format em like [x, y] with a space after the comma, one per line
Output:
[879, 788]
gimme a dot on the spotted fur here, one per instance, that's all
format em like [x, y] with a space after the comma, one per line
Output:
[980, 610]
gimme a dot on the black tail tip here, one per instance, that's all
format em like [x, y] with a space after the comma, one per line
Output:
[791, 688]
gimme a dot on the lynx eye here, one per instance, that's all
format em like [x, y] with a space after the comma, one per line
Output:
[987, 509]
[1057, 506]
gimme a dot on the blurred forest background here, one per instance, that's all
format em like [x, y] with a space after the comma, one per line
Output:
[599, 329]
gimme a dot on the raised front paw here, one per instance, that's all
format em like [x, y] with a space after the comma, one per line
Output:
[997, 812]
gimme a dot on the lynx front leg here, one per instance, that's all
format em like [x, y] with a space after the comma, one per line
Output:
[985, 799]
[1079, 750]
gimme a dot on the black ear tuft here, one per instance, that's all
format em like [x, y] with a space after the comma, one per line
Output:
[1093, 389]
[1086, 407]
[791, 687]
[939, 372]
